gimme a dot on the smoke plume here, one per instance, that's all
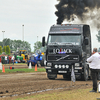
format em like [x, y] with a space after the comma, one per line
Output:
[82, 9]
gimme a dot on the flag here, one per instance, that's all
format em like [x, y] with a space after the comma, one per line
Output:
[72, 75]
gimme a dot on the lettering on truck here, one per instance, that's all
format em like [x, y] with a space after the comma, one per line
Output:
[62, 50]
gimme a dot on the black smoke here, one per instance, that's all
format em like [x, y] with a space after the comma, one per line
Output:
[69, 9]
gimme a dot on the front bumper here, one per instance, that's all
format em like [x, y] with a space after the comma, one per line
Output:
[58, 70]
[77, 70]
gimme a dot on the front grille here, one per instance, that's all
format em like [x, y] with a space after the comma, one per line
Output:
[63, 58]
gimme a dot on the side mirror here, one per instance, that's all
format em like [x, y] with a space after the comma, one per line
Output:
[86, 41]
[43, 41]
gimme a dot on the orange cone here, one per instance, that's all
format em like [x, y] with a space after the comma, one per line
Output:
[36, 67]
[3, 70]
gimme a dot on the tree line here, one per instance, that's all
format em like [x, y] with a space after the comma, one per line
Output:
[38, 46]
[5, 49]
[15, 44]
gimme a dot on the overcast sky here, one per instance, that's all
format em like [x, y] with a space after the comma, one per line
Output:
[36, 15]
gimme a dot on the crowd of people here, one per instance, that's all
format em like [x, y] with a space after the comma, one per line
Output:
[6, 59]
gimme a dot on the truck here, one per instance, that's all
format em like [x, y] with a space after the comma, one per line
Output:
[68, 45]
[36, 59]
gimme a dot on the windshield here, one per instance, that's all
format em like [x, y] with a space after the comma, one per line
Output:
[64, 39]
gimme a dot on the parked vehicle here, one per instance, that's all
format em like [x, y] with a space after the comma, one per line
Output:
[24, 54]
[36, 59]
[31, 60]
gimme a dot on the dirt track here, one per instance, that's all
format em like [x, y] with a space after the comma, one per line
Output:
[27, 83]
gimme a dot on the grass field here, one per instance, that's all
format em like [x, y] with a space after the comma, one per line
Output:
[73, 94]
[25, 70]
[16, 64]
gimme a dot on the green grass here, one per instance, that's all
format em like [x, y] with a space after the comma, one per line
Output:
[25, 70]
[16, 64]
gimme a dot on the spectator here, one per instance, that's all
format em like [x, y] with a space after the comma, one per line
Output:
[8, 59]
[13, 58]
[94, 65]
[5, 59]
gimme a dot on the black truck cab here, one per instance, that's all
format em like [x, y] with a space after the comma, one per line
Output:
[67, 46]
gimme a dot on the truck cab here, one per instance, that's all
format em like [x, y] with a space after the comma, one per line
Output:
[68, 45]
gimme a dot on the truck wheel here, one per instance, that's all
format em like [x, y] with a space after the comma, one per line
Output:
[65, 76]
[86, 73]
[51, 76]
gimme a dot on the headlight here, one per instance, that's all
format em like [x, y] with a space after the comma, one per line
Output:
[67, 66]
[63, 66]
[77, 64]
[59, 66]
[49, 64]
[56, 66]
